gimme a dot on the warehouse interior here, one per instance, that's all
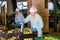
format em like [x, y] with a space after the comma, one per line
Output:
[51, 18]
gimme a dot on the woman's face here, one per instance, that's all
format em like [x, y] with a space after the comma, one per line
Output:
[17, 12]
[32, 13]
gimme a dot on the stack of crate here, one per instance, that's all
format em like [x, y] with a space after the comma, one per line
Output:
[28, 36]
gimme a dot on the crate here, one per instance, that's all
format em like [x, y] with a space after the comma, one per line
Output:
[40, 38]
[19, 35]
[33, 35]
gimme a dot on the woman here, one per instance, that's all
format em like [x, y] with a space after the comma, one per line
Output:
[19, 18]
[36, 21]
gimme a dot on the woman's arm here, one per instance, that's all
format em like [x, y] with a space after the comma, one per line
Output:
[27, 19]
[40, 22]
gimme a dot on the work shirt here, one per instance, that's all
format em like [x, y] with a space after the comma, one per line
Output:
[35, 22]
[19, 17]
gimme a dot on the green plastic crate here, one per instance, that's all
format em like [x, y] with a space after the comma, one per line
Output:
[14, 26]
[40, 38]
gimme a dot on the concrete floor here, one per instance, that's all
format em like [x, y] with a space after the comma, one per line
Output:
[54, 33]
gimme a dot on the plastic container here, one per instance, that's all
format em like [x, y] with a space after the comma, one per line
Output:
[48, 36]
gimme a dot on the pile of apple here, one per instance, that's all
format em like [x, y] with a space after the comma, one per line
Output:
[28, 39]
[12, 38]
[50, 38]
[27, 31]
[1, 38]
[24, 31]
[10, 31]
